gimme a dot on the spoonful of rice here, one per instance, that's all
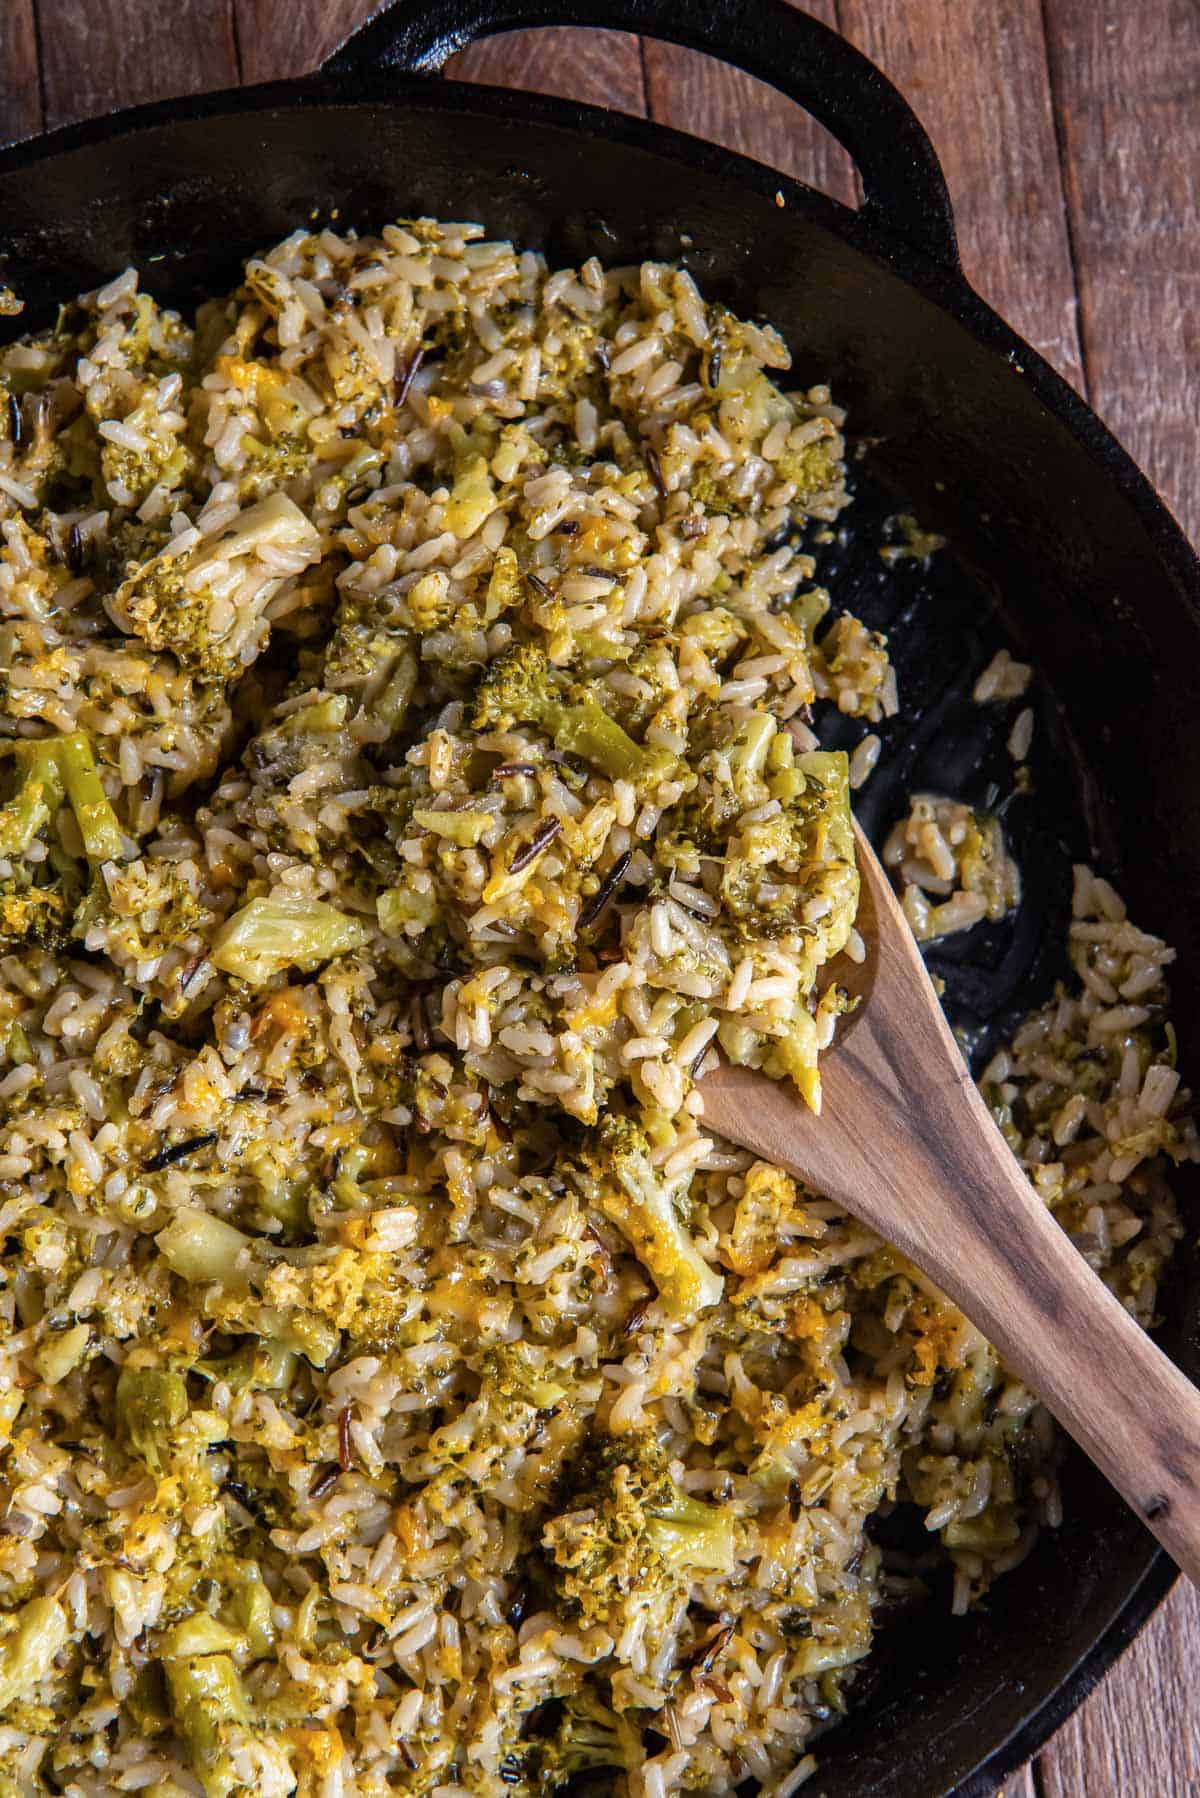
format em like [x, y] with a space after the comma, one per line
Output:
[906, 1143]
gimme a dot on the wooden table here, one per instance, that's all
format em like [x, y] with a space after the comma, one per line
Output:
[1070, 135]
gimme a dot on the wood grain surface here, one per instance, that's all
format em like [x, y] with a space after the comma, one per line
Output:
[96, 57]
[976, 73]
[1070, 134]
[1127, 84]
[694, 93]
[20, 88]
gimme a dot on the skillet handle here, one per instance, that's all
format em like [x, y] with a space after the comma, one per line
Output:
[903, 184]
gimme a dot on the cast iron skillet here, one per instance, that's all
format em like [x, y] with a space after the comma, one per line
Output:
[1059, 546]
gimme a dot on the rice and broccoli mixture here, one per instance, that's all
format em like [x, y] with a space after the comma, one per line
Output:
[408, 785]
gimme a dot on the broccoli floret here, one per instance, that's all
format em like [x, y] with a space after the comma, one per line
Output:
[252, 1609]
[523, 1373]
[794, 875]
[207, 605]
[164, 461]
[815, 471]
[589, 1738]
[38, 915]
[522, 688]
[138, 911]
[206, 1251]
[633, 1532]
[618, 1178]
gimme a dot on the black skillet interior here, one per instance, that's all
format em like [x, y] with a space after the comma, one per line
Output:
[1058, 547]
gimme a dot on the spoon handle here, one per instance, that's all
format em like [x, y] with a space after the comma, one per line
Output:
[957, 1203]
[906, 1143]
[1059, 1327]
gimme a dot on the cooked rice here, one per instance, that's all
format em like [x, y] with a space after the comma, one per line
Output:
[953, 866]
[1003, 678]
[410, 783]
[1020, 737]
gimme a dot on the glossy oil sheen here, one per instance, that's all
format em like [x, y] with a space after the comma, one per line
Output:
[1049, 521]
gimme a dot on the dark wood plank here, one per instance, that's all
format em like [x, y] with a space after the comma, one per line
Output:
[96, 59]
[20, 90]
[698, 94]
[603, 68]
[1124, 84]
[1126, 81]
[976, 72]
[1139, 1733]
[277, 39]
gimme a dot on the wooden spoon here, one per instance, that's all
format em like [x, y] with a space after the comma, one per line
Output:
[905, 1142]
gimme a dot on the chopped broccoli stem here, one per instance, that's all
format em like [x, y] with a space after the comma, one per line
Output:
[268, 935]
[93, 813]
[55, 768]
[830, 769]
[208, 1704]
[263, 1365]
[40, 896]
[200, 1634]
[28, 1653]
[204, 1249]
[463, 828]
[693, 1534]
[808, 611]
[151, 1403]
[61, 1353]
[586, 730]
[252, 1609]
[393, 702]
